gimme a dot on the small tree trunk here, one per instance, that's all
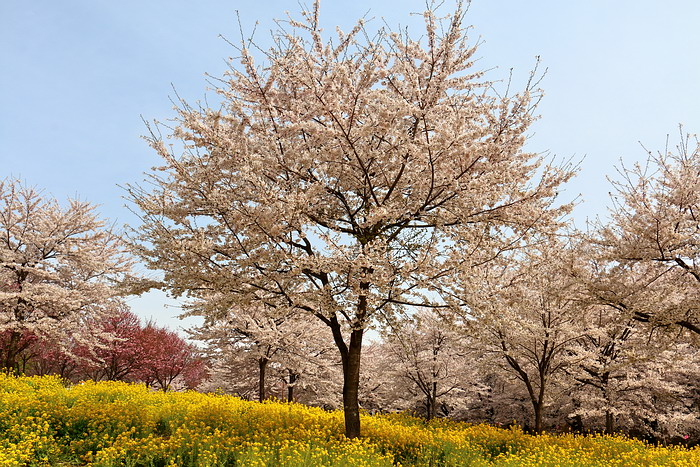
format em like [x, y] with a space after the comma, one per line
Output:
[164, 384]
[609, 417]
[431, 403]
[577, 424]
[290, 386]
[262, 366]
[609, 422]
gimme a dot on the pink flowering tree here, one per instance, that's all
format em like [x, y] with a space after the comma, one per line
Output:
[59, 270]
[426, 362]
[167, 357]
[276, 344]
[649, 249]
[343, 178]
[118, 355]
[252, 332]
[526, 315]
[17, 349]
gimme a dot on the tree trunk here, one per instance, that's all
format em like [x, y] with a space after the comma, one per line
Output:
[290, 386]
[536, 398]
[609, 422]
[351, 385]
[577, 424]
[350, 357]
[432, 403]
[9, 362]
[262, 365]
[609, 417]
[537, 406]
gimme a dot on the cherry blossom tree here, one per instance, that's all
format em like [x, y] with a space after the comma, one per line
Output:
[118, 355]
[654, 236]
[345, 177]
[266, 338]
[60, 268]
[501, 398]
[632, 379]
[231, 372]
[525, 311]
[427, 359]
[167, 357]
[253, 333]
[628, 368]
[309, 364]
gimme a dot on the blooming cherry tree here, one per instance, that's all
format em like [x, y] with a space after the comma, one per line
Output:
[524, 311]
[628, 378]
[344, 177]
[60, 268]
[167, 357]
[253, 332]
[425, 357]
[235, 336]
[654, 235]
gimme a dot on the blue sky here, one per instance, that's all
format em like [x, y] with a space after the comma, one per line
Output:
[76, 77]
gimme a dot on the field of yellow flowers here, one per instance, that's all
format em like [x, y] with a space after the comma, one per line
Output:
[44, 422]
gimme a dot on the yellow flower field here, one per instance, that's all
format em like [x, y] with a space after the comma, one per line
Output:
[44, 422]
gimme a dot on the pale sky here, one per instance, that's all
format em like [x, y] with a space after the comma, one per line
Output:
[77, 76]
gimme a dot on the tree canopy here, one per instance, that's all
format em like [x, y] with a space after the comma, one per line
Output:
[345, 178]
[60, 269]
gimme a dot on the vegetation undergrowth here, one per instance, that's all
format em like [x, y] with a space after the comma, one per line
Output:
[44, 422]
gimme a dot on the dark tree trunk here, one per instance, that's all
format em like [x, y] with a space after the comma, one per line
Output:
[536, 397]
[609, 417]
[12, 350]
[262, 366]
[577, 424]
[431, 401]
[350, 357]
[351, 385]
[609, 422]
[290, 386]
[537, 406]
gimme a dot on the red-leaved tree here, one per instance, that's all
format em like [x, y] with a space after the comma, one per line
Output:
[167, 357]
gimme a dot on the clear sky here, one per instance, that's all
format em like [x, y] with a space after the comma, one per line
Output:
[76, 76]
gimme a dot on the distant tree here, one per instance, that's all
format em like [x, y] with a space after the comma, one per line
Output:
[118, 355]
[525, 312]
[20, 350]
[59, 270]
[167, 357]
[50, 358]
[632, 379]
[652, 241]
[234, 369]
[252, 331]
[639, 311]
[311, 367]
[114, 354]
[344, 178]
[236, 337]
[427, 360]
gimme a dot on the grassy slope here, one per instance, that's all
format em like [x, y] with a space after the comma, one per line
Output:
[109, 424]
